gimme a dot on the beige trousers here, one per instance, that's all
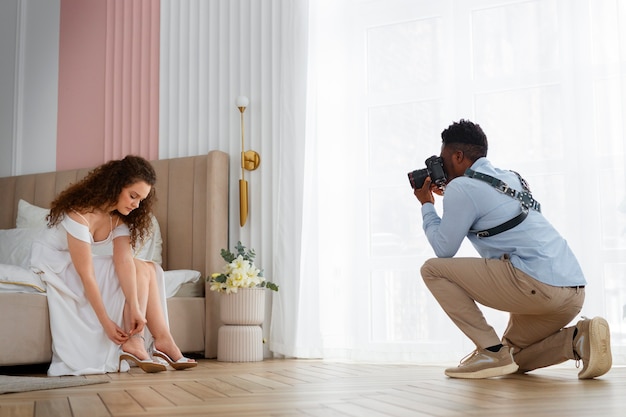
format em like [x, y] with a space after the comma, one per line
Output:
[538, 311]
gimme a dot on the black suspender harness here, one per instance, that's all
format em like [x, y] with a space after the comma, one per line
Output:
[527, 202]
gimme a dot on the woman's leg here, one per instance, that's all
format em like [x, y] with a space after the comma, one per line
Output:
[157, 323]
[136, 344]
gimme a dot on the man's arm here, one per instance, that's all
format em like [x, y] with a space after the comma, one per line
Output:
[445, 234]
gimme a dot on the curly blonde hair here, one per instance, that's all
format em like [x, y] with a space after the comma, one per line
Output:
[102, 187]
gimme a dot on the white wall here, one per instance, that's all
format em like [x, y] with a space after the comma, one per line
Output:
[8, 25]
[212, 52]
[29, 47]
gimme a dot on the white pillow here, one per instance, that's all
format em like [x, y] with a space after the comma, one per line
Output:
[15, 246]
[17, 279]
[29, 215]
[191, 289]
[151, 249]
[176, 278]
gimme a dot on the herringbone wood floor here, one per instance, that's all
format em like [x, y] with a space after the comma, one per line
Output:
[323, 388]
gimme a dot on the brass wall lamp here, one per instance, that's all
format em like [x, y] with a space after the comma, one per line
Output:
[250, 161]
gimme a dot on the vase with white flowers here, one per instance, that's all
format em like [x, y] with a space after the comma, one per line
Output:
[242, 306]
[243, 284]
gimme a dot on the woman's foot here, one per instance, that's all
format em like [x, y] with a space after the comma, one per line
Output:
[169, 351]
[134, 350]
[135, 345]
[146, 365]
[180, 364]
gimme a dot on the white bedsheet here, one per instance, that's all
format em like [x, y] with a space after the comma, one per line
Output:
[16, 279]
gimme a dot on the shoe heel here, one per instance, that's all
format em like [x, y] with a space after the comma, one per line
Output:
[177, 365]
[146, 366]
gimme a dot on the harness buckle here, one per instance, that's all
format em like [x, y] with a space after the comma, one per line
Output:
[504, 188]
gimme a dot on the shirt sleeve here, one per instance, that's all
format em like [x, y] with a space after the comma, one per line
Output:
[445, 234]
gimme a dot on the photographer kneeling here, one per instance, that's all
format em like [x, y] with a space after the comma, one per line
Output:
[526, 268]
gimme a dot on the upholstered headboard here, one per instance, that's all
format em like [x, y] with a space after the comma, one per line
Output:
[191, 208]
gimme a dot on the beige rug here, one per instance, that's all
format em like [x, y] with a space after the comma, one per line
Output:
[34, 383]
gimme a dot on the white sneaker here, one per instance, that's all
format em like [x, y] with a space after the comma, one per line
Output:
[592, 345]
[483, 363]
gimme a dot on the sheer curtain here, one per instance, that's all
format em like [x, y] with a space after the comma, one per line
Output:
[295, 326]
[544, 79]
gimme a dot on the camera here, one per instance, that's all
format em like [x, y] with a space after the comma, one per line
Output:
[434, 170]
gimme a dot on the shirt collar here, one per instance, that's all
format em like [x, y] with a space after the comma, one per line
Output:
[480, 162]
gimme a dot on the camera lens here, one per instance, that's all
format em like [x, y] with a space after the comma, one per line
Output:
[417, 178]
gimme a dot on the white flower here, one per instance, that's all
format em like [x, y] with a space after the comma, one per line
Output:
[217, 286]
[239, 272]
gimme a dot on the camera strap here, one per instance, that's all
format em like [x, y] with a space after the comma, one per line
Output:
[525, 198]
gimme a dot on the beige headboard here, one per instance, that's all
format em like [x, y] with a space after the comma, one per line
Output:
[192, 206]
[192, 210]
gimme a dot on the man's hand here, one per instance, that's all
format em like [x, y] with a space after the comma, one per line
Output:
[425, 194]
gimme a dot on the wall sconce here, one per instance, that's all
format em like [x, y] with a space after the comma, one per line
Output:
[250, 161]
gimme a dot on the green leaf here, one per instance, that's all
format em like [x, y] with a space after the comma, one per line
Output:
[227, 255]
[220, 278]
[247, 255]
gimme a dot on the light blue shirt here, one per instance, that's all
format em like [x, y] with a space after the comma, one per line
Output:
[534, 246]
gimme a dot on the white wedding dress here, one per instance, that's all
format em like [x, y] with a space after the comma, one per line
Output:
[79, 343]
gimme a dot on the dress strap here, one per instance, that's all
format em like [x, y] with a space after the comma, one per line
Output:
[83, 217]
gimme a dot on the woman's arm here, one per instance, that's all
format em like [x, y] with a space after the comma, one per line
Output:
[80, 253]
[127, 275]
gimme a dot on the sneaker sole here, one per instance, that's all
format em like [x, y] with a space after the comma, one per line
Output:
[600, 358]
[485, 373]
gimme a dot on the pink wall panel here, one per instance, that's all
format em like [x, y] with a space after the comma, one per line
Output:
[108, 81]
[80, 137]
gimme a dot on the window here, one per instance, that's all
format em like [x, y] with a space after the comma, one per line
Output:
[542, 77]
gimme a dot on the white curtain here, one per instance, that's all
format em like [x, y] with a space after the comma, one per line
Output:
[211, 52]
[543, 78]
[295, 323]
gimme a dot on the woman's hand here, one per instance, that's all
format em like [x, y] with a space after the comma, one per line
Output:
[115, 333]
[136, 321]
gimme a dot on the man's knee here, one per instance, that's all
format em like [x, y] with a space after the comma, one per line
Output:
[429, 269]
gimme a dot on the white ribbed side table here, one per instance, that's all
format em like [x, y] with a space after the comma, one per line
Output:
[239, 344]
[240, 339]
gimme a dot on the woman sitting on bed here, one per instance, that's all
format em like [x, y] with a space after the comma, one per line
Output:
[99, 305]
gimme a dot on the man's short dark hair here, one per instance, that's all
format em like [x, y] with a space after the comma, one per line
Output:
[467, 137]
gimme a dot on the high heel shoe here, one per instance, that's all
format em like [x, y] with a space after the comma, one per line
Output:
[182, 363]
[146, 365]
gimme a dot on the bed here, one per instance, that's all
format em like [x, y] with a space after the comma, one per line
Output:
[191, 219]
